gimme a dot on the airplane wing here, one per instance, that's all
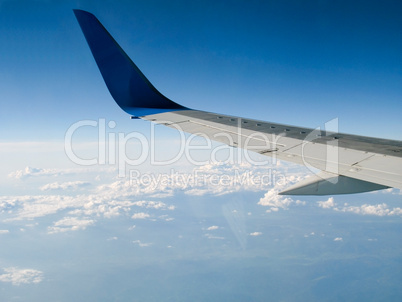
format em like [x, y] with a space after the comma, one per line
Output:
[349, 163]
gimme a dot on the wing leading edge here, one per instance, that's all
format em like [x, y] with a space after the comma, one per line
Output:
[349, 163]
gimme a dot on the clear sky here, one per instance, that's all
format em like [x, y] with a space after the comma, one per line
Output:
[69, 232]
[281, 61]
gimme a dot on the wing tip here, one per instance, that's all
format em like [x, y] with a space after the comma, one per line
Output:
[131, 90]
[81, 11]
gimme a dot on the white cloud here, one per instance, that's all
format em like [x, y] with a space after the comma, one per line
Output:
[213, 227]
[18, 276]
[141, 244]
[82, 207]
[377, 210]
[32, 172]
[118, 197]
[153, 205]
[365, 209]
[109, 200]
[140, 215]
[166, 218]
[275, 202]
[70, 224]
[311, 234]
[30, 207]
[395, 211]
[4, 232]
[71, 185]
[327, 204]
[210, 236]
[272, 199]
[386, 191]
[256, 234]
[338, 239]
[106, 204]
[44, 172]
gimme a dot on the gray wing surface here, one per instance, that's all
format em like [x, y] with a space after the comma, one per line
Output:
[349, 163]
[365, 163]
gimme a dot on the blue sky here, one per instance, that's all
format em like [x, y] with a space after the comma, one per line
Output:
[289, 62]
[80, 232]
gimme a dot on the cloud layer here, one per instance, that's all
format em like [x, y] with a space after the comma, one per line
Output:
[18, 276]
[83, 203]
[381, 209]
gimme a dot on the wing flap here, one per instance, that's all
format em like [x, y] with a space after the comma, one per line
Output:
[325, 183]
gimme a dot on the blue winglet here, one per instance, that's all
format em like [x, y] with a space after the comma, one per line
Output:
[126, 83]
